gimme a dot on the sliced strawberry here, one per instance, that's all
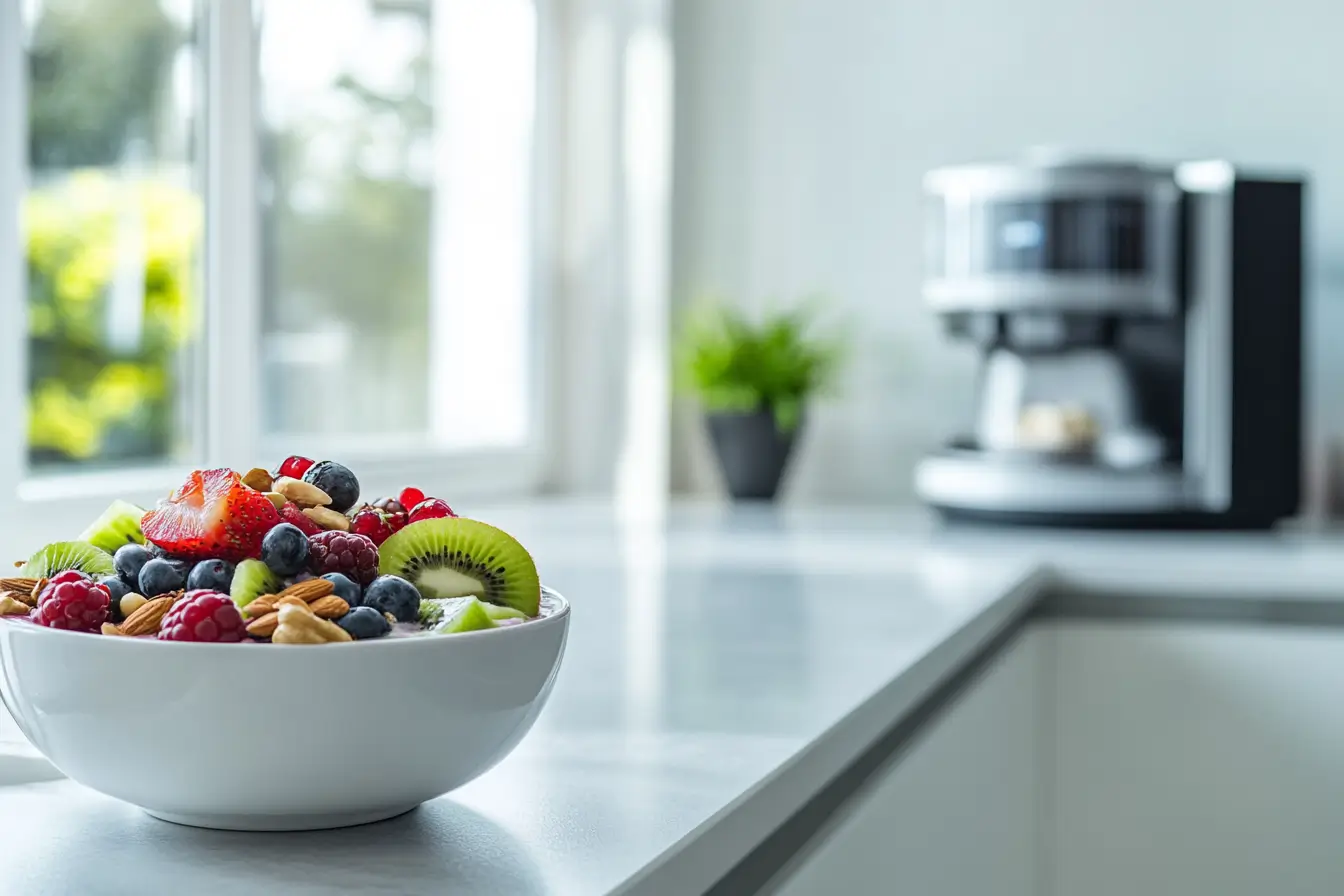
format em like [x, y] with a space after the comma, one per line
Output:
[213, 516]
[291, 513]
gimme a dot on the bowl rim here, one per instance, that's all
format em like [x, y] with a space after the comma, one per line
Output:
[559, 617]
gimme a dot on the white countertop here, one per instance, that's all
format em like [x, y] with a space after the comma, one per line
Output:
[722, 666]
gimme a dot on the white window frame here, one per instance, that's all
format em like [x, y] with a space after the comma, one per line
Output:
[228, 433]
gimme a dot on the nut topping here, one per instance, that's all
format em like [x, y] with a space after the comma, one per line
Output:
[299, 626]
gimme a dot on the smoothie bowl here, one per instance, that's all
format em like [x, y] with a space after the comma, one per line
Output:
[263, 652]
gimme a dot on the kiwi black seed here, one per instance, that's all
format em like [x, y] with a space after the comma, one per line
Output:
[454, 557]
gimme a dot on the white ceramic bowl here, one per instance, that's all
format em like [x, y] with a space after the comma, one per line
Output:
[279, 737]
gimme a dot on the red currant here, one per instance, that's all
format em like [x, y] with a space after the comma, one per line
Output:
[410, 496]
[295, 466]
[370, 523]
[398, 521]
[431, 509]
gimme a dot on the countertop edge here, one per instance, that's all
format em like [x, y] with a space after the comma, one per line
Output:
[701, 858]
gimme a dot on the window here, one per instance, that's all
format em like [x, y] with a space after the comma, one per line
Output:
[308, 226]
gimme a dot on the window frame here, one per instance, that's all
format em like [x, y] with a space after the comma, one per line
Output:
[228, 431]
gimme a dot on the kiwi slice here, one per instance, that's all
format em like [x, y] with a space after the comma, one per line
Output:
[119, 525]
[251, 580]
[455, 557]
[62, 555]
[461, 614]
[434, 609]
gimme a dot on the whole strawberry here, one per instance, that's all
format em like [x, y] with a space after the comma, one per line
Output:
[72, 601]
[203, 616]
[354, 555]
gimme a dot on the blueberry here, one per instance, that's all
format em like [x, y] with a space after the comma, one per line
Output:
[159, 576]
[115, 587]
[363, 623]
[395, 595]
[128, 561]
[337, 481]
[285, 550]
[156, 551]
[211, 575]
[346, 590]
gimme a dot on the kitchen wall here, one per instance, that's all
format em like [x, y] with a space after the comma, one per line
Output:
[803, 128]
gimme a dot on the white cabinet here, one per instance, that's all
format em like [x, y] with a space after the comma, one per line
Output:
[1195, 759]
[955, 814]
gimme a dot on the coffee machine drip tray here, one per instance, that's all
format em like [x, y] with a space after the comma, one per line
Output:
[964, 478]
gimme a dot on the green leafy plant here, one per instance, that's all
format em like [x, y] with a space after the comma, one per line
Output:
[733, 363]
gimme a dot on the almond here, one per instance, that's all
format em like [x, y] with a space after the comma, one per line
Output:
[330, 607]
[264, 626]
[110, 629]
[304, 494]
[257, 479]
[12, 606]
[278, 501]
[328, 519]
[146, 620]
[298, 626]
[309, 590]
[36, 592]
[261, 605]
[21, 589]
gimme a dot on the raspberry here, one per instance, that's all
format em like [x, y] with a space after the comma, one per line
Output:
[350, 553]
[294, 466]
[370, 523]
[432, 509]
[203, 616]
[72, 601]
[410, 497]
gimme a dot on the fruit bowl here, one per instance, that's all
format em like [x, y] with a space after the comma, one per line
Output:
[272, 737]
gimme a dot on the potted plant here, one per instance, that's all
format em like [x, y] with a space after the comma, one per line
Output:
[753, 379]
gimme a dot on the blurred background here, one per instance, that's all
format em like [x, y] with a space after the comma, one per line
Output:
[481, 227]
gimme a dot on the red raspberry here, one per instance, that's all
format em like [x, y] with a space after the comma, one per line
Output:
[350, 553]
[72, 601]
[294, 466]
[370, 523]
[410, 497]
[203, 616]
[433, 509]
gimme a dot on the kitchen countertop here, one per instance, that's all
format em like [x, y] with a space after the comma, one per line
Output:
[722, 667]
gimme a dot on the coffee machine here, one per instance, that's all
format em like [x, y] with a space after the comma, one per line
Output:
[1141, 332]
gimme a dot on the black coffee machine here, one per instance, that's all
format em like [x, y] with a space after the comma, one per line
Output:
[1141, 327]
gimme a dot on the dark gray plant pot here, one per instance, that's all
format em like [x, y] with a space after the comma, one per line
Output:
[752, 450]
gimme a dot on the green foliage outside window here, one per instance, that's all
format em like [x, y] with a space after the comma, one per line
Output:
[104, 338]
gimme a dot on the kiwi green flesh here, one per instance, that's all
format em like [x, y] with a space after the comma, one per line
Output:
[456, 557]
[117, 526]
[62, 555]
[251, 580]
[458, 614]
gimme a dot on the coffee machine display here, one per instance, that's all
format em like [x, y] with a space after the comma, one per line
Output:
[1141, 333]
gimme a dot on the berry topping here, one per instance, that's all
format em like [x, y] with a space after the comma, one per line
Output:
[203, 616]
[285, 550]
[72, 601]
[410, 496]
[213, 515]
[128, 561]
[363, 623]
[337, 481]
[354, 555]
[371, 524]
[398, 521]
[389, 505]
[294, 467]
[159, 576]
[346, 590]
[291, 514]
[395, 595]
[432, 509]
[116, 588]
[211, 575]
